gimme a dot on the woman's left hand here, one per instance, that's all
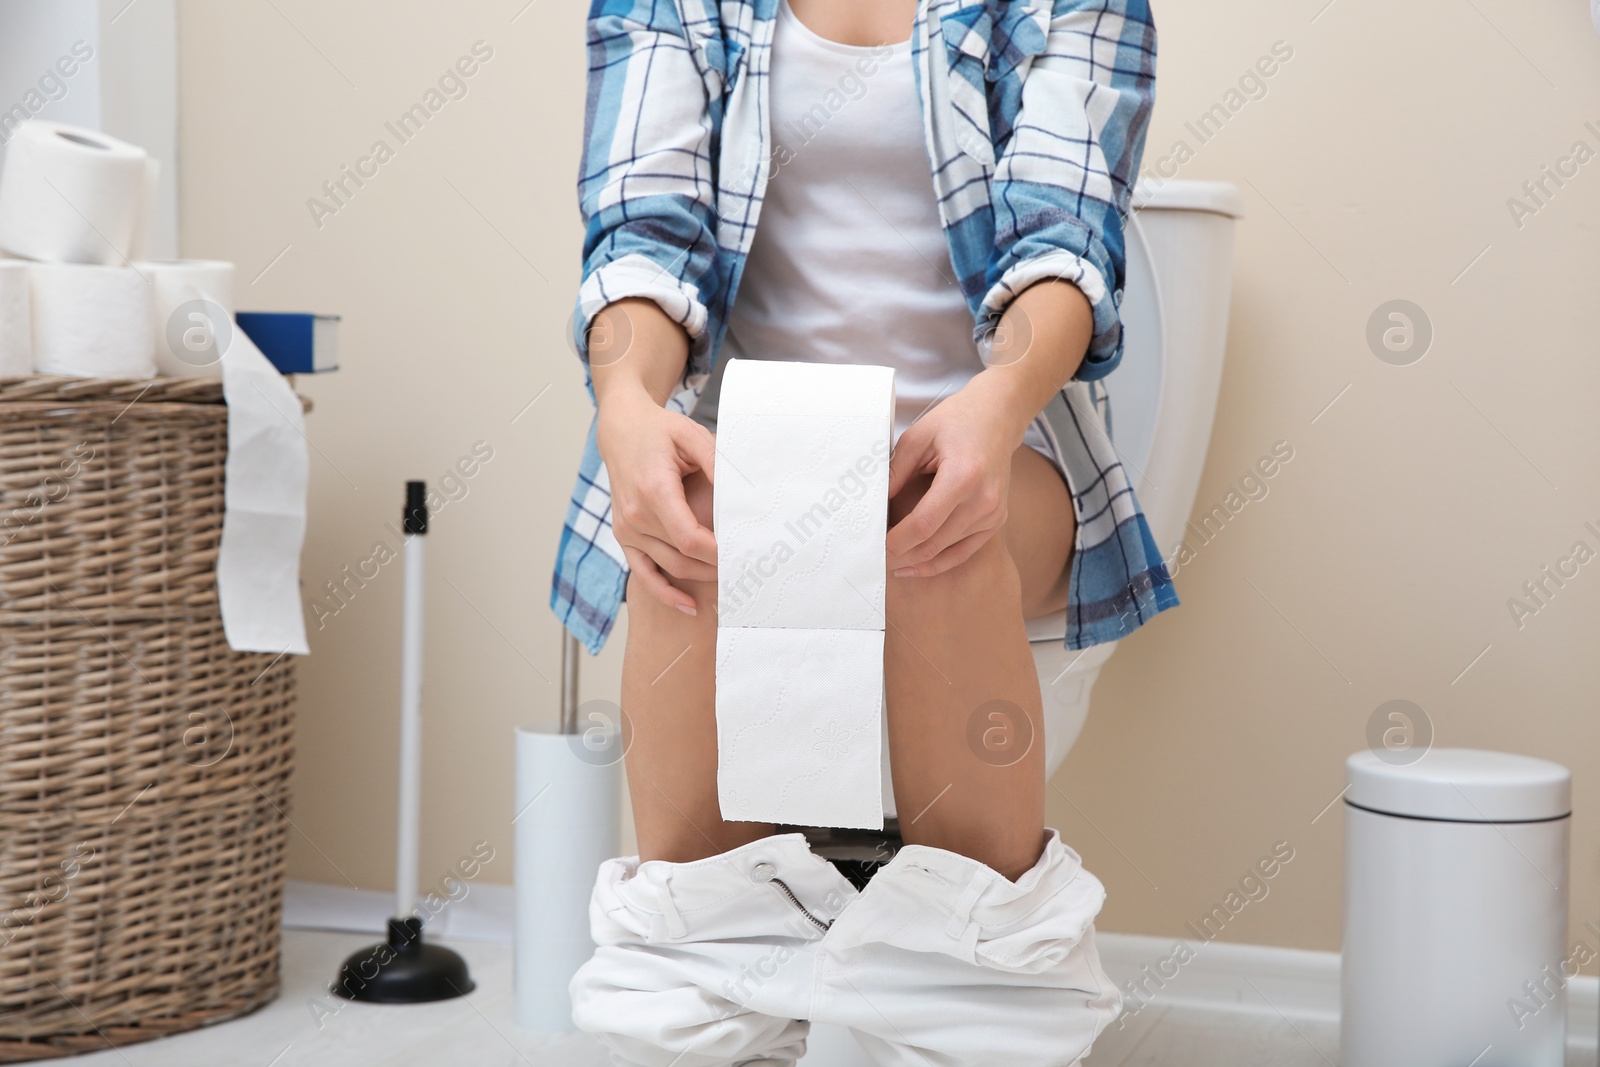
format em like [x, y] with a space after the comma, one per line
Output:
[967, 440]
[966, 443]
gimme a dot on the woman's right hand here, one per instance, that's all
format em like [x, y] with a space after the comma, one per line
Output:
[649, 451]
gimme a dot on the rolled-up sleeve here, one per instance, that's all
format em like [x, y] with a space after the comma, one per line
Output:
[645, 185]
[1063, 182]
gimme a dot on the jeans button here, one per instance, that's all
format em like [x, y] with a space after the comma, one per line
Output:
[763, 872]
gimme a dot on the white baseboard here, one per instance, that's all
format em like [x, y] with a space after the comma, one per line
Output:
[1223, 976]
[1217, 976]
[483, 913]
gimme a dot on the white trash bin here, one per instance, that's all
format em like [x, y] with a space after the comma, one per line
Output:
[1455, 911]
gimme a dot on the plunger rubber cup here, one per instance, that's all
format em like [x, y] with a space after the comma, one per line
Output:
[403, 970]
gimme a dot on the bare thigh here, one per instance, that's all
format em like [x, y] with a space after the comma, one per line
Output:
[1040, 530]
[959, 673]
[669, 695]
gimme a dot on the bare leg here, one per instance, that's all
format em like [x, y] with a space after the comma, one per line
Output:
[668, 692]
[956, 650]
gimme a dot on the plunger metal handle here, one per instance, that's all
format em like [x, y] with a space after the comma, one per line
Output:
[415, 521]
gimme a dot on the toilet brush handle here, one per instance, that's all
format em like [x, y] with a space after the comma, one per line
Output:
[415, 520]
[569, 684]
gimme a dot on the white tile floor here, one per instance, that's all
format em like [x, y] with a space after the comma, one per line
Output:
[477, 1030]
[474, 1031]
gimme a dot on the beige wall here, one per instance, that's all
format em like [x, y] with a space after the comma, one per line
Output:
[453, 268]
[1376, 166]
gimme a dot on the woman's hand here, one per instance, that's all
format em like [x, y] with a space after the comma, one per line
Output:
[636, 354]
[966, 441]
[648, 452]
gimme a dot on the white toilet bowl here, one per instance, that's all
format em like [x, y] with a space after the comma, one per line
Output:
[1163, 398]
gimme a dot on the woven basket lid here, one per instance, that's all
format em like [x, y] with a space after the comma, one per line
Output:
[1461, 785]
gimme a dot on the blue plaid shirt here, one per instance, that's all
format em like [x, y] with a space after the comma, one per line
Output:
[1034, 115]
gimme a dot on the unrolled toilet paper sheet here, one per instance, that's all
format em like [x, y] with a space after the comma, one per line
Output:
[801, 504]
[264, 510]
[799, 726]
[264, 498]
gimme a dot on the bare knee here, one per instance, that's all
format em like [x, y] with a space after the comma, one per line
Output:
[649, 618]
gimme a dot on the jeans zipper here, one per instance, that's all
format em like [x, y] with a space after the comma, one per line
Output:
[766, 872]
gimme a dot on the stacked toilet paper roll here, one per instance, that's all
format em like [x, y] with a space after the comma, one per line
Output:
[76, 204]
[801, 508]
[71, 195]
[144, 227]
[193, 315]
[16, 319]
[91, 321]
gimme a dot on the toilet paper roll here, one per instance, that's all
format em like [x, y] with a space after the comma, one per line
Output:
[16, 318]
[193, 315]
[91, 321]
[568, 798]
[144, 227]
[70, 195]
[801, 507]
[801, 496]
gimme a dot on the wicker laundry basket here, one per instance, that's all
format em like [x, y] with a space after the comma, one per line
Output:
[144, 765]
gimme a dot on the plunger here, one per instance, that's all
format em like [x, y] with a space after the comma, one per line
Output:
[403, 969]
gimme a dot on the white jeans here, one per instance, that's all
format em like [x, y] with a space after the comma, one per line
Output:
[939, 962]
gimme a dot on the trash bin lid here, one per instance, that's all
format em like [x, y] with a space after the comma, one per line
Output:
[1461, 785]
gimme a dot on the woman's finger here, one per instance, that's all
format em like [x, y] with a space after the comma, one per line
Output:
[967, 519]
[911, 453]
[645, 569]
[924, 520]
[698, 447]
[673, 562]
[678, 526]
[676, 520]
[952, 557]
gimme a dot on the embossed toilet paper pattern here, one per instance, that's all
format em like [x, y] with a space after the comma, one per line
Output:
[801, 507]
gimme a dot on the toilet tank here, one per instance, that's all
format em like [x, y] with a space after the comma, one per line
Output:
[1175, 321]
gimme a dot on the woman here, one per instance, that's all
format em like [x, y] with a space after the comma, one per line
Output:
[941, 187]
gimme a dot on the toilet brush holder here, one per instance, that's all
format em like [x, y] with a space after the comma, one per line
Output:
[566, 823]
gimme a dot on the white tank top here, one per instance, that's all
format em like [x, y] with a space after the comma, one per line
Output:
[850, 263]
